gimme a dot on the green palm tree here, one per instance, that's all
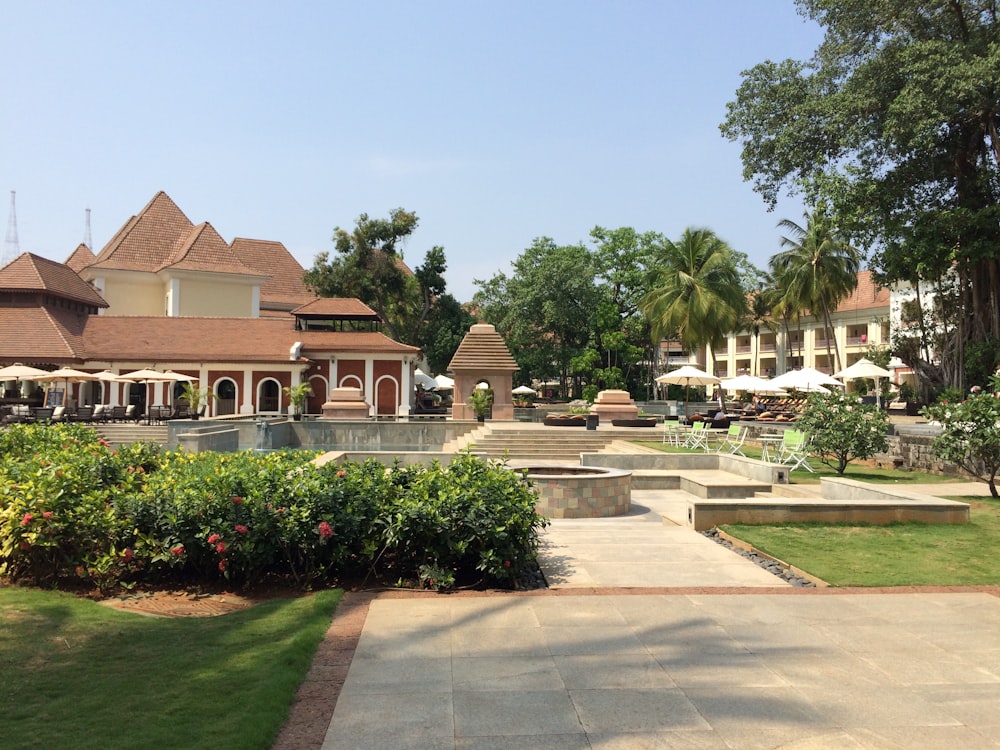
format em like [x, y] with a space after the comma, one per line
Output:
[694, 291]
[817, 269]
[760, 316]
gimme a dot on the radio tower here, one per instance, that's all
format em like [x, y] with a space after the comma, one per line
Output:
[11, 246]
[86, 233]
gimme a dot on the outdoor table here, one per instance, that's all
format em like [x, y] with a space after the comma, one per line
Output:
[769, 443]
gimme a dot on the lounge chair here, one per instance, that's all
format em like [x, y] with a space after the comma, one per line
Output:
[697, 436]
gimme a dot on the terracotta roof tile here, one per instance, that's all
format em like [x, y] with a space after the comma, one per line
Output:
[285, 284]
[337, 307]
[148, 239]
[482, 349]
[82, 257]
[866, 295]
[40, 334]
[162, 339]
[32, 273]
[203, 249]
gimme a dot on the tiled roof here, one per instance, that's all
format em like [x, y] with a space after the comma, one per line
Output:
[285, 284]
[203, 249]
[483, 349]
[32, 273]
[867, 295]
[82, 257]
[148, 239]
[41, 334]
[162, 339]
[337, 307]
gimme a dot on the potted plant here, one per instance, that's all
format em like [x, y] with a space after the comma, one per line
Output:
[481, 400]
[297, 397]
[195, 397]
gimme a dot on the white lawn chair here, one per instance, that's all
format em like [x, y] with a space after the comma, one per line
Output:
[732, 441]
[794, 450]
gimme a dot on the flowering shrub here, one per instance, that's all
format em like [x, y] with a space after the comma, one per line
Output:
[72, 507]
[841, 428]
[970, 436]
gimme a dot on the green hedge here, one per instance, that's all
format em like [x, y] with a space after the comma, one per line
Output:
[71, 507]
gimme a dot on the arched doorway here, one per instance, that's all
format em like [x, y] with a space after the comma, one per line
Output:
[268, 396]
[225, 397]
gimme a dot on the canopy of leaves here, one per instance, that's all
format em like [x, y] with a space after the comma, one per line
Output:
[895, 122]
[970, 436]
[841, 428]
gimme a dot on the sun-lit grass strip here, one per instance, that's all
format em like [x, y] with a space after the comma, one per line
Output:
[909, 554]
[77, 674]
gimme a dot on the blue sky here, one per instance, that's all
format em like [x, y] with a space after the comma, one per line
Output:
[495, 122]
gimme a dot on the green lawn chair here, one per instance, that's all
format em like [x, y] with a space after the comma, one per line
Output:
[794, 450]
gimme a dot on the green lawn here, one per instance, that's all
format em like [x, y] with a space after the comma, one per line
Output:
[77, 674]
[909, 554]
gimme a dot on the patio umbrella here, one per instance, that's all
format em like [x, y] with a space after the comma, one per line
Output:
[688, 376]
[148, 376]
[865, 368]
[18, 372]
[65, 375]
[424, 380]
[807, 379]
[753, 384]
[109, 377]
[524, 390]
[443, 382]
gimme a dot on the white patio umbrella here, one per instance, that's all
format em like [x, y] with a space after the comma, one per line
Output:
[109, 377]
[17, 371]
[443, 382]
[865, 368]
[524, 390]
[753, 384]
[807, 379]
[688, 376]
[424, 380]
[148, 376]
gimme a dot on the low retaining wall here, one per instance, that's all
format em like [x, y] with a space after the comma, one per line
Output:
[579, 492]
[215, 437]
[746, 467]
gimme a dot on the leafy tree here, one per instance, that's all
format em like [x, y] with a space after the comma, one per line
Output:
[545, 310]
[694, 293]
[817, 269]
[446, 326]
[895, 122]
[370, 267]
[841, 428]
[970, 436]
[760, 316]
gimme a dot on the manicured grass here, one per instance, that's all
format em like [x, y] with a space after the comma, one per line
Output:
[908, 554]
[77, 674]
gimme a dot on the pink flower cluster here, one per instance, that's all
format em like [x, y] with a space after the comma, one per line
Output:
[325, 530]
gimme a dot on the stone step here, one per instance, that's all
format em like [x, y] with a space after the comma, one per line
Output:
[125, 434]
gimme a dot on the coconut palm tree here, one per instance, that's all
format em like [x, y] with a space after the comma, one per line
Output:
[817, 269]
[694, 291]
[760, 316]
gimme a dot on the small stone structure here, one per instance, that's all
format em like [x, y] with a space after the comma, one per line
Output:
[614, 405]
[483, 357]
[580, 491]
[346, 403]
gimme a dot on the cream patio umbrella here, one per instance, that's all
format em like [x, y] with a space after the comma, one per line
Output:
[808, 379]
[687, 376]
[65, 375]
[149, 375]
[865, 368]
[752, 384]
[18, 372]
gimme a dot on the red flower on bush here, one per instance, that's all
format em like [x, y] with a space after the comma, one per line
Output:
[241, 529]
[178, 550]
[214, 538]
[222, 565]
[340, 474]
[236, 500]
[27, 518]
[48, 514]
[128, 554]
[325, 530]
[220, 547]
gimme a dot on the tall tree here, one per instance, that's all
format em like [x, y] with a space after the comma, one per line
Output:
[817, 269]
[369, 266]
[895, 121]
[546, 309]
[694, 293]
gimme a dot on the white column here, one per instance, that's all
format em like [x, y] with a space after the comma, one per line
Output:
[370, 385]
[247, 406]
[406, 389]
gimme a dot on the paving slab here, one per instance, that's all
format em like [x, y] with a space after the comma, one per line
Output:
[677, 671]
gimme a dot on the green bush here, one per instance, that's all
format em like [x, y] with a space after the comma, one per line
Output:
[841, 428]
[72, 507]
